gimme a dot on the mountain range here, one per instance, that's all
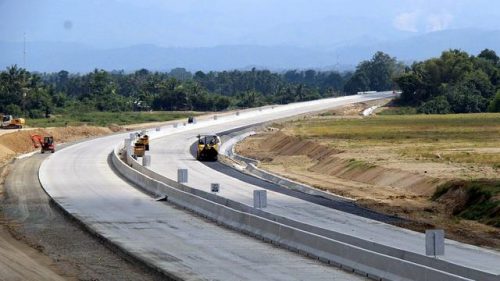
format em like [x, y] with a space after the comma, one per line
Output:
[76, 57]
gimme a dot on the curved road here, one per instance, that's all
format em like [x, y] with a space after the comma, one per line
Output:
[177, 148]
[80, 179]
[76, 253]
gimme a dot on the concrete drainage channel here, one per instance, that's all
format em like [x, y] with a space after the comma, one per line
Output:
[364, 257]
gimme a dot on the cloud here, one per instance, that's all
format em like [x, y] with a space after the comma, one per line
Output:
[437, 22]
[407, 21]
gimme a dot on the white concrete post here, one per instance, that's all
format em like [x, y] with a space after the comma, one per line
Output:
[146, 160]
[434, 242]
[128, 143]
[237, 113]
[182, 175]
[260, 199]
[158, 129]
[215, 117]
[130, 153]
[175, 125]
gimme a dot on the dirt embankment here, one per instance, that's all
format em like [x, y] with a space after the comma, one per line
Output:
[387, 190]
[19, 142]
[20, 261]
[324, 160]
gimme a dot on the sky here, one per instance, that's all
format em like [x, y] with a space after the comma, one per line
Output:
[205, 23]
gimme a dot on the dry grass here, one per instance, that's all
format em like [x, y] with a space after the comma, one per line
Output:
[440, 148]
[458, 138]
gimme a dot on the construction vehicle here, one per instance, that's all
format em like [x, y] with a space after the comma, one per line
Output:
[139, 150]
[141, 146]
[208, 147]
[144, 140]
[45, 143]
[9, 122]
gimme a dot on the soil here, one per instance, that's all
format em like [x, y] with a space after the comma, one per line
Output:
[38, 242]
[19, 141]
[376, 178]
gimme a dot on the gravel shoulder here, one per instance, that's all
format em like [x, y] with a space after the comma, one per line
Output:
[58, 248]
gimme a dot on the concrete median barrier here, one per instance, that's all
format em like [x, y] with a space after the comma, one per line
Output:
[363, 261]
[228, 150]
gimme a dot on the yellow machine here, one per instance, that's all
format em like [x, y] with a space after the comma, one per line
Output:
[208, 147]
[144, 140]
[141, 146]
[139, 149]
[9, 122]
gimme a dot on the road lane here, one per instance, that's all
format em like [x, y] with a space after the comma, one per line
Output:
[80, 179]
[173, 151]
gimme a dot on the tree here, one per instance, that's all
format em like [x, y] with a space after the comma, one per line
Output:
[376, 74]
[494, 105]
[489, 55]
[359, 82]
[14, 87]
[438, 105]
[467, 83]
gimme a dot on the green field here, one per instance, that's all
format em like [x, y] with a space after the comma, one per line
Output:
[463, 138]
[104, 119]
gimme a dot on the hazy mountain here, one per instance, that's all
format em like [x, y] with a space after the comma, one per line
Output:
[424, 46]
[54, 56]
[81, 58]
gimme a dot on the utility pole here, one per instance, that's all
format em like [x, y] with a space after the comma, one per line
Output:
[24, 51]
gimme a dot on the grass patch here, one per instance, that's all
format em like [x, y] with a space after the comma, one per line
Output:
[481, 203]
[404, 110]
[358, 164]
[104, 119]
[436, 135]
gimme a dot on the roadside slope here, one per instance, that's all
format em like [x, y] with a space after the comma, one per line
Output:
[33, 219]
[390, 164]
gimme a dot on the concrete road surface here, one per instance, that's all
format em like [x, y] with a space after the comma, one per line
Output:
[77, 254]
[80, 179]
[173, 151]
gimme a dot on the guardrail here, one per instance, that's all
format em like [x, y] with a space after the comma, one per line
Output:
[348, 256]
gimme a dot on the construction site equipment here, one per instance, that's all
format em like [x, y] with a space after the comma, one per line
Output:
[208, 147]
[144, 140]
[139, 150]
[9, 122]
[141, 146]
[45, 143]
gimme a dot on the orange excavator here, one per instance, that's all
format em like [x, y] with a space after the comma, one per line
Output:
[45, 143]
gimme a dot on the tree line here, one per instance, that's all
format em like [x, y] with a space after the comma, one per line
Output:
[37, 95]
[454, 82]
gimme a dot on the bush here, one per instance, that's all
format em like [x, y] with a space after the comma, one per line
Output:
[438, 105]
[36, 113]
[13, 109]
[403, 110]
[495, 103]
